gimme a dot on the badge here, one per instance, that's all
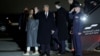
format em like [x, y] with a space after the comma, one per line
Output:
[76, 17]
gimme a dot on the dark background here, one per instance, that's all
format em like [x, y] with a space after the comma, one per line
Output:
[17, 6]
[12, 8]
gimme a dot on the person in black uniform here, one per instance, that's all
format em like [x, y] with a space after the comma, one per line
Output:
[61, 16]
[22, 27]
[77, 29]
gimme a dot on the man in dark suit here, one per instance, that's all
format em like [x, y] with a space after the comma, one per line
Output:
[22, 27]
[61, 23]
[46, 24]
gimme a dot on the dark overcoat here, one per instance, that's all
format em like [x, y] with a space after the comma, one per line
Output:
[46, 24]
[62, 24]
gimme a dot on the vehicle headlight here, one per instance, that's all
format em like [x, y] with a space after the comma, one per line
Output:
[84, 18]
[2, 28]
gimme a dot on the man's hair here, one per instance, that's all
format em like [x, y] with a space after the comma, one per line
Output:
[57, 3]
[46, 5]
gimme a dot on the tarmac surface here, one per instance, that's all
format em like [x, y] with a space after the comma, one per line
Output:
[10, 48]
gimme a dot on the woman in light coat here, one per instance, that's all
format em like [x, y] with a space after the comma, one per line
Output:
[32, 29]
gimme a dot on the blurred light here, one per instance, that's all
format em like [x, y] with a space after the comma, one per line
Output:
[15, 24]
[84, 18]
[80, 4]
[3, 28]
[7, 18]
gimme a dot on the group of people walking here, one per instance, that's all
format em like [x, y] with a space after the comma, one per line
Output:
[43, 26]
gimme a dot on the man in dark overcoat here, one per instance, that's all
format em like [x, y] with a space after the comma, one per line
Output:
[62, 25]
[22, 27]
[46, 24]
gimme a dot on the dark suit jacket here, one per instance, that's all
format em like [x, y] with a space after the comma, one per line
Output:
[45, 27]
[22, 20]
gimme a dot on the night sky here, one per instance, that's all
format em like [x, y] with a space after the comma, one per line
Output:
[17, 6]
